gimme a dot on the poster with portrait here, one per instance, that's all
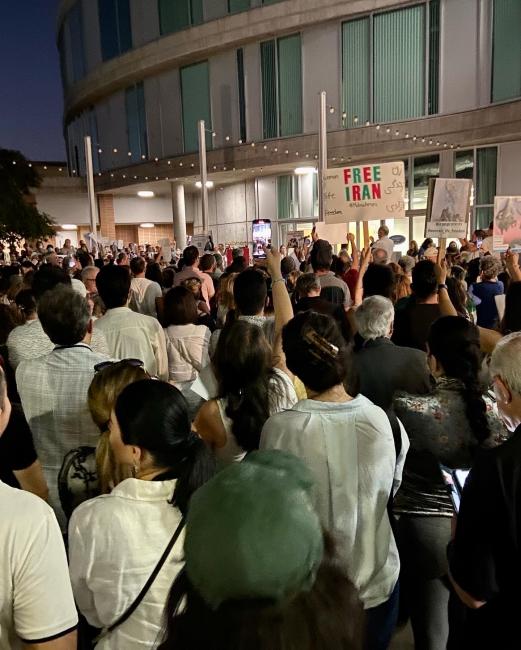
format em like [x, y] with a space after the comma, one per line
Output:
[507, 224]
[448, 207]
[364, 192]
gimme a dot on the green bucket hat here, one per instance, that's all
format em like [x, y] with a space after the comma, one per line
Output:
[252, 532]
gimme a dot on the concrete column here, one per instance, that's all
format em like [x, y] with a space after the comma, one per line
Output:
[179, 214]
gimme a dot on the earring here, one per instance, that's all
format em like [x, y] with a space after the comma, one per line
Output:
[135, 469]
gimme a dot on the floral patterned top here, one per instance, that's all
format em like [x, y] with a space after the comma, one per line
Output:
[439, 432]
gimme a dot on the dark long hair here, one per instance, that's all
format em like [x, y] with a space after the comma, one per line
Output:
[511, 321]
[458, 296]
[243, 366]
[454, 342]
[327, 617]
[153, 415]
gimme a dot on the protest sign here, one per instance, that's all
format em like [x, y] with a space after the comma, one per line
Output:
[448, 207]
[334, 233]
[364, 192]
[507, 223]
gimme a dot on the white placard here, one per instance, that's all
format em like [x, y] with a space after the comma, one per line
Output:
[334, 233]
[364, 192]
[507, 223]
[448, 207]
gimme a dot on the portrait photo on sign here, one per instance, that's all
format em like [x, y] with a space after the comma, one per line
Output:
[507, 223]
[448, 207]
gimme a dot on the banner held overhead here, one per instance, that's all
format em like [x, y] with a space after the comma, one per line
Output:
[364, 192]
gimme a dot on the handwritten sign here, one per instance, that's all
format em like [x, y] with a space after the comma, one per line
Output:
[507, 223]
[448, 207]
[364, 193]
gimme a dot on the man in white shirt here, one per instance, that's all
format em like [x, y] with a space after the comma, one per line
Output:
[129, 335]
[384, 242]
[29, 341]
[53, 388]
[191, 270]
[143, 292]
[36, 604]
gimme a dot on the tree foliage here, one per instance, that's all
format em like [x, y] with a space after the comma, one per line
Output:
[19, 216]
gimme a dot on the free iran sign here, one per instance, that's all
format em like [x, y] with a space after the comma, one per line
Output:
[364, 193]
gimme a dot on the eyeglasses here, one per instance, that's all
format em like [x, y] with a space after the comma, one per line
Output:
[133, 363]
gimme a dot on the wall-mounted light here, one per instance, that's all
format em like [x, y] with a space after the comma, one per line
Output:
[301, 171]
[68, 226]
[209, 184]
[146, 225]
[146, 194]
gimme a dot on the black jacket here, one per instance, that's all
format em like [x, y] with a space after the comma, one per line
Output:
[383, 368]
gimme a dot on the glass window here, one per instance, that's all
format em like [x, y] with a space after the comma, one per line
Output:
[281, 65]
[238, 5]
[195, 96]
[425, 168]
[136, 122]
[486, 172]
[269, 89]
[290, 85]
[399, 64]
[434, 55]
[175, 15]
[464, 164]
[506, 54]
[384, 65]
[355, 71]
[242, 95]
[115, 27]
[284, 197]
[71, 46]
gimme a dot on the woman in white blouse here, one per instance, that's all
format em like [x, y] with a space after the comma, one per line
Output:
[117, 539]
[253, 380]
[347, 443]
[186, 342]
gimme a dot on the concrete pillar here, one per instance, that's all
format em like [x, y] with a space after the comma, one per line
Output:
[179, 214]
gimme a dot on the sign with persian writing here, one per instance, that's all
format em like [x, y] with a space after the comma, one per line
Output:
[364, 193]
[448, 207]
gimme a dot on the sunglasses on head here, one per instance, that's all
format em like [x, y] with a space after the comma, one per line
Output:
[133, 363]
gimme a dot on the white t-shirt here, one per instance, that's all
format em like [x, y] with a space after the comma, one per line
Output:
[36, 601]
[349, 449]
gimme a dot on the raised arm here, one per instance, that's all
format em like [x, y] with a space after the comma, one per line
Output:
[281, 304]
[359, 290]
[512, 260]
[354, 251]
[444, 301]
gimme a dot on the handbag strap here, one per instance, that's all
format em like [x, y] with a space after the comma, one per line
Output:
[128, 612]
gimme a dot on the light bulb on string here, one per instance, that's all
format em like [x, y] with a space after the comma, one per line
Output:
[344, 116]
[368, 123]
[331, 109]
[240, 141]
[115, 150]
[168, 162]
[143, 156]
[227, 138]
[129, 154]
[355, 119]
[388, 130]
[156, 159]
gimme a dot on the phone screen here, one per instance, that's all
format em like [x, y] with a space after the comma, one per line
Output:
[261, 237]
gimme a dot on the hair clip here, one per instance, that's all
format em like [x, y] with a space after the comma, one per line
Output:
[320, 346]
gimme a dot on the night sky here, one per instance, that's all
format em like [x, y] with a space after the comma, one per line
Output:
[31, 101]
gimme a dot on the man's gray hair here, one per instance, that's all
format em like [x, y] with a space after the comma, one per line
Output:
[506, 361]
[384, 229]
[374, 317]
[86, 272]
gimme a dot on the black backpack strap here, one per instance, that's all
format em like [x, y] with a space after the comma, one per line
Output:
[397, 438]
[128, 613]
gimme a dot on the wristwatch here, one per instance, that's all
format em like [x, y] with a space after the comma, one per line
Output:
[442, 286]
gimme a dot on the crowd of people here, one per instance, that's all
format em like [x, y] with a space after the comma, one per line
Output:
[200, 455]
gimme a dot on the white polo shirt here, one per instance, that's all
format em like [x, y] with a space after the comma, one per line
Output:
[349, 449]
[36, 602]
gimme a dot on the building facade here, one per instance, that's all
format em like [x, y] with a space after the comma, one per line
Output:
[435, 83]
